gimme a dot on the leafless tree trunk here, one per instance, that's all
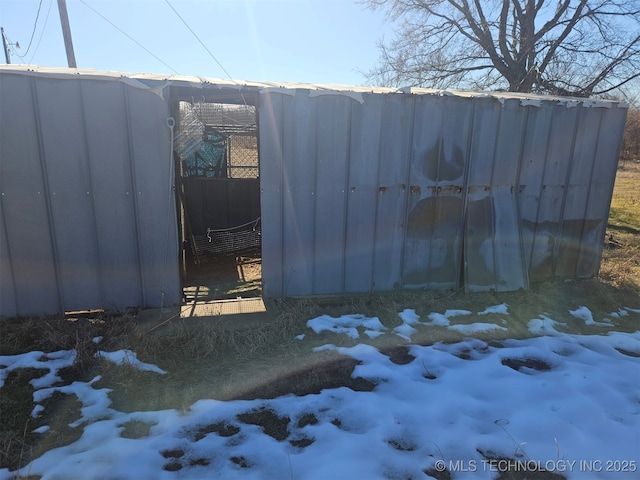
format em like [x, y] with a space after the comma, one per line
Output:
[564, 47]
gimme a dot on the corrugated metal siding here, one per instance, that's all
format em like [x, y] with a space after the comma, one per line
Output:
[87, 211]
[368, 192]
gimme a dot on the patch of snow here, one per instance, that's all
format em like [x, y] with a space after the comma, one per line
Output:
[438, 319]
[555, 399]
[127, 357]
[583, 313]
[373, 333]
[299, 337]
[40, 360]
[405, 331]
[472, 328]
[409, 316]
[544, 326]
[347, 324]
[95, 402]
[502, 309]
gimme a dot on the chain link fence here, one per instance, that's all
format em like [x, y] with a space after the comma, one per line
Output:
[216, 140]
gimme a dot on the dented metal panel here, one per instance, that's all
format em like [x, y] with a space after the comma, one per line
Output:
[384, 191]
[493, 245]
[433, 255]
[362, 189]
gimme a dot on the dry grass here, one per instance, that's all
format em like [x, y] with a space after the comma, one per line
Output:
[621, 257]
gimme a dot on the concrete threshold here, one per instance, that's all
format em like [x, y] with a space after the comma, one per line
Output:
[234, 312]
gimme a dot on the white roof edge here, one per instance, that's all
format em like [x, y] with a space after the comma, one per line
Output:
[137, 79]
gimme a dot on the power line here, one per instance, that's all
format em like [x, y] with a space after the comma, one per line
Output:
[34, 30]
[44, 27]
[129, 36]
[198, 38]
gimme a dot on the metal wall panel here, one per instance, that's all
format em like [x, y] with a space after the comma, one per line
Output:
[272, 124]
[88, 214]
[598, 201]
[439, 166]
[364, 158]
[113, 192]
[493, 247]
[360, 190]
[28, 257]
[373, 191]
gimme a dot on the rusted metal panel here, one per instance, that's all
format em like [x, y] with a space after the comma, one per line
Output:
[433, 251]
[388, 191]
[361, 189]
[493, 246]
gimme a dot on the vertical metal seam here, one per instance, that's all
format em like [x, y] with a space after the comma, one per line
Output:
[462, 258]
[439, 143]
[407, 191]
[567, 179]
[134, 192]
[588, 200]
[282, 165]
[346, 197]
[542, 187]
[492, 196]
[314, 204]
[523, 135]
[10, 258]
[377, 195]
[47, 196]
[92, 200]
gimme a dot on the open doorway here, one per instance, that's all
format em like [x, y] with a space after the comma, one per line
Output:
[218, 195]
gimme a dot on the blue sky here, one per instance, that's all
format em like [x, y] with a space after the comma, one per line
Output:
[316, 41]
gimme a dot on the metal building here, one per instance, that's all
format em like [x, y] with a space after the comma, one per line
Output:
[360, 189]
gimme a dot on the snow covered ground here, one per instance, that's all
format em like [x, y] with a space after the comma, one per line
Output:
[564, 403]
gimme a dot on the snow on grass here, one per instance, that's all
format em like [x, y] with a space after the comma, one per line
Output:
[475, 328]
[561, 401]
[52, 362]
[127, 357]
[443, 319]
[583, 313]
[347, 324]
[544, 326]
[502, 309]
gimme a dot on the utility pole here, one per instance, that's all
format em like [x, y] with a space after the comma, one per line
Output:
[66, 33]
[5, 44]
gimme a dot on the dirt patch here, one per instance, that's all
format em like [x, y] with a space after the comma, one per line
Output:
[530, 363]
[241, 462]
[302, 442]
[272, 424]
[312, 380]
[398, 355]
[223, 429]
[628, 352]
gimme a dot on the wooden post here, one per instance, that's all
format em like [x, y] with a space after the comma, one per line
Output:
[5, 44]
[66, 33]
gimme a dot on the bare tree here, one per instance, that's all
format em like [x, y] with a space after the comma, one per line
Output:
[563, 47]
